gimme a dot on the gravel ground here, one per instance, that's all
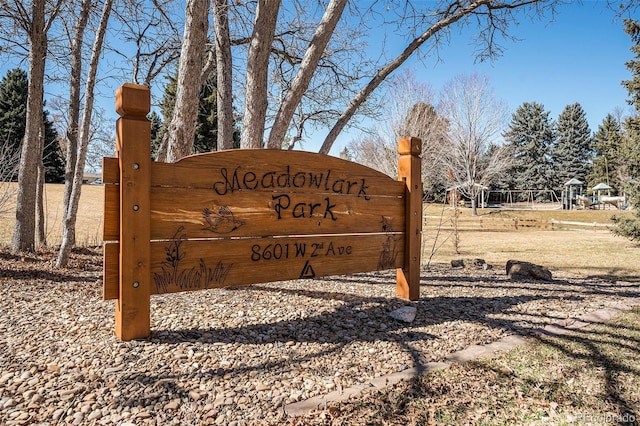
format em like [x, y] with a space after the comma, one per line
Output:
[237, 356]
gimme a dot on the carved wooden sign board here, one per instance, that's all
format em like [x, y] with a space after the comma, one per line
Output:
[242, 217]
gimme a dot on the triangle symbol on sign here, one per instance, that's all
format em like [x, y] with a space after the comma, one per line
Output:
[307, 271]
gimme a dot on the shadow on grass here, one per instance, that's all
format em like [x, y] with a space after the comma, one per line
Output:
[613, 351]
[588, 377]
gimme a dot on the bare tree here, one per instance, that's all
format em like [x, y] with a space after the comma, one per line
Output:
[255, 102]
[149, 38]
[493, 17]
[408, 110]
[19, 20]
[307, 68]
[224, 75]
[411, 112]
[473, 152]
[180, 133]
[75, 87]
[71, 204]
[296, 53]
[373, 150]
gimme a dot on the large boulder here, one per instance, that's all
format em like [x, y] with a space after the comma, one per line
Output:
[521, 269]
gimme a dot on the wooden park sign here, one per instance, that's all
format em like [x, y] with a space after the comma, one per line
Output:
[242, 217]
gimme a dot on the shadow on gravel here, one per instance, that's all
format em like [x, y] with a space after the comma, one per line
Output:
[360, 319]
[365, 319]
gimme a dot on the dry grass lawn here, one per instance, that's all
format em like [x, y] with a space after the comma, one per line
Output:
[89, 225]
[586, 252]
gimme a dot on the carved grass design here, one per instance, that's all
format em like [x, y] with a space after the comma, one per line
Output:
[201, 277]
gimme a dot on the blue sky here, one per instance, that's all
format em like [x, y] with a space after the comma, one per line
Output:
[579, 57]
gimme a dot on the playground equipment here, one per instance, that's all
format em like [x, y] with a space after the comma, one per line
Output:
[599, 201]
[572, 189]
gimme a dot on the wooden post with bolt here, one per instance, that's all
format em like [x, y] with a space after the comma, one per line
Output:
[133, 136]
[409, 163]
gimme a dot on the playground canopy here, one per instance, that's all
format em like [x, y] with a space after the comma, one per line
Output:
[601, 187]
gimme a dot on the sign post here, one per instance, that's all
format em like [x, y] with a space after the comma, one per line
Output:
[408, 277]
[133, 137]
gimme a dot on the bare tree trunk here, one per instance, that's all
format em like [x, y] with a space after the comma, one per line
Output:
[386, 70]
[181, 130]
[312, 56]
[224, 74]
[24, 230]
[41, 225]
[74, 109]
[255, 101]
[70, 218]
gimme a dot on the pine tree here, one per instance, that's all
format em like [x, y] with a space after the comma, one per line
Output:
[531, 135]
[629, 168]
[629, 154]
[54, 165]
[13, 110]
[13, 116]
[206, 135]
[205, 138]
[572, 151]
[606, 144]
[157, 131]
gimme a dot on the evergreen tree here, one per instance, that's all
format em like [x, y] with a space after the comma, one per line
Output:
[206, 135]
[13, 116]
[54, 164]
[13, 109]
[607, 143]
[629, 154]
[572, 151]
[629, 168]
[530, 136]
[205, 138]
[157, 131]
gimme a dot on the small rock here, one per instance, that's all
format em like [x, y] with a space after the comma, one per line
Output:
[173, 405]
[56, 414]
[470, 264]
[262, 387]
[54, 368]
[95, 414]
[194, 395]
[211, 413]
[111, 370]
[406, 313]
[9, 403]
[219, 401]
